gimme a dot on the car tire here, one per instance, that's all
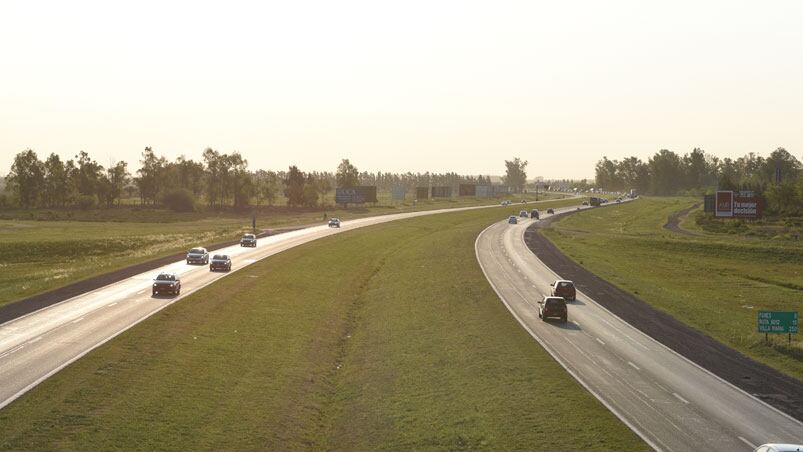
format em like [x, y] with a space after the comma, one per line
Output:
[564, 319]
[153, 294]
[188, 262]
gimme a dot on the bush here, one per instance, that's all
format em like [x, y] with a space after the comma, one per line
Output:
[86, 202]
[179, 200]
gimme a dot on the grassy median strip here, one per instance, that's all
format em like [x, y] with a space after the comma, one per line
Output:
[45, 251]
[387, 337]
[715, 283]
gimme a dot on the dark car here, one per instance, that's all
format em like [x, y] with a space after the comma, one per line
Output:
[198, 256]
[585, 203]
[334, 222]
[565, 289]
[220, 262]
[550, 211]
[523, 214]
[512, 219]
[248, 240]
[553, 307]
[166, 283]
[534, 214]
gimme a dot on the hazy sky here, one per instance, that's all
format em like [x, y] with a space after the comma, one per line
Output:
[401, 85]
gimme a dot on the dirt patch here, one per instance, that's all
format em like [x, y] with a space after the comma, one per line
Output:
[673, 222]
[34, 303]
[778, 390]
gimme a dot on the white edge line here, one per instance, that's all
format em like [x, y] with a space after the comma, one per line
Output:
[610, 407]
[752, 446]
[650, 338]
[678, 396]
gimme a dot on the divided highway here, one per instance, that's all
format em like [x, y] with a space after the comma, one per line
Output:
[670, 402]
[36, 346]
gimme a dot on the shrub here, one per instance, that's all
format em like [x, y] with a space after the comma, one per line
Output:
[86, 202]
[179, 200]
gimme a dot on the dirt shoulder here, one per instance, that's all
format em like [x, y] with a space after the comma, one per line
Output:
[673, 222]
[34, 303]
[778, 390]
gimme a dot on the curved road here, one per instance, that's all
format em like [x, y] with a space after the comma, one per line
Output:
[670, 402]
[35, 346]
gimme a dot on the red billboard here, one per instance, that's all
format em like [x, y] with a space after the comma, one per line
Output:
[729, 205]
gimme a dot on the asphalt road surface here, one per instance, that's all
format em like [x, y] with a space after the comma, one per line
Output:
[672, 403]
[35, 346]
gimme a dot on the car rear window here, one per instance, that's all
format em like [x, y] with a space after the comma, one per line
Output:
[553, 303]
[164, 277]
[565, 285]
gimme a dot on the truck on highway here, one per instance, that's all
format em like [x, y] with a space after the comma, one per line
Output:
[595, 202]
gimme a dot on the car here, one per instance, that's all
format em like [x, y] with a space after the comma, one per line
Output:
[524, 201]
[563, 288]
[166, 282]
[550, 211]
[776, 447]
[534, 214]
[334, 222]
[198, 256]
[618, 199]
[553, 307]
[524, 214]
[506, 202]
[512, 220]
[585, 203]
[248, 240]
[220, 262]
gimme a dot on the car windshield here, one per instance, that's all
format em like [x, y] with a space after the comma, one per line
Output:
[197, 251]
[165, 277]
[248, 236]
[220, 257]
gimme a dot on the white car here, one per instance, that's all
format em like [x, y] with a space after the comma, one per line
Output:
[334, 222]
[198, 256]
[774, 447]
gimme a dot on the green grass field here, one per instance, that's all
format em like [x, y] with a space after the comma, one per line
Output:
[39, 255]
[714, 282]
[385, 338]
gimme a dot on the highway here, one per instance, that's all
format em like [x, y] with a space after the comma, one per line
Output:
[36, 346]
[670, 402]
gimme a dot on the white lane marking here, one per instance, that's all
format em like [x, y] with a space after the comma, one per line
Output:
[36, 339]
[752, 446]
[141, 292]
[111, 304]
[77, 320]
[599, 340]
[12, 351]
[633, 365]
[660, 386]
[679, 397]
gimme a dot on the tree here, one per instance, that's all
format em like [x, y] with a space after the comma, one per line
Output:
[310, 192]
[294, 187]
[150, 173]
[27, 178]
[515, 174]
[88, 177]
[118, 177]
[783, 160]
[347, 174]
[212, 161]
[55, 190]
[666, 171]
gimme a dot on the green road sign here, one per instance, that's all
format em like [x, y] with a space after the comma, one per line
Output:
[780, 322]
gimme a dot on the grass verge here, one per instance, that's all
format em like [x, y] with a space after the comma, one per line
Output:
[387, 337]
[711, 282]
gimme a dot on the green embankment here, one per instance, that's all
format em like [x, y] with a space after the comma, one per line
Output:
[716, 283]
[387, 337]
[42, 254]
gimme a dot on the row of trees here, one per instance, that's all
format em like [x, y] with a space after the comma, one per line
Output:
[667, 173]
[218, 179]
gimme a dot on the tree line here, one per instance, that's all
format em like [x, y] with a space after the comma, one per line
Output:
[218, 180]
[668, 173]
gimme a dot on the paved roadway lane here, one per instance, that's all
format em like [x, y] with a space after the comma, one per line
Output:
[35, 346]
[670, 402]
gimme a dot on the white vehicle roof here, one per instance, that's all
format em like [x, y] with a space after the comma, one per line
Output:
[778, 447]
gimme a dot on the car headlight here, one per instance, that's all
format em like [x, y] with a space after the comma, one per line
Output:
[154, 284]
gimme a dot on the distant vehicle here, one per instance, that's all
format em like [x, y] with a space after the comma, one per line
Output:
[334, 222]
[166, 283]
[632, 194]
[248, 240]
[524, 214]
[585, 203]
[534, 214]
[513, 220]
[506, 202]
[198, 256]
[550, 211]
[775, 447]
[220, 262]
[618, 199]
[553, 307]
[565, 289]
[594, 201]
[524, 201]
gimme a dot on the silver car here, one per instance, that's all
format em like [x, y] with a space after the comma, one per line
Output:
[198, 256]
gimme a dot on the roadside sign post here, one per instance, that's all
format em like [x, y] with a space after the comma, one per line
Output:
[778, 322]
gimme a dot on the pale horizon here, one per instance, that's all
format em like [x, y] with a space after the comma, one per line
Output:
[419, 86]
